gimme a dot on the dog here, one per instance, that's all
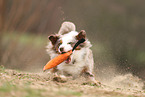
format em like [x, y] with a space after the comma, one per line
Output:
[80, 62]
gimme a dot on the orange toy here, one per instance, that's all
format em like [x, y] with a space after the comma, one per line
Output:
[60, 58]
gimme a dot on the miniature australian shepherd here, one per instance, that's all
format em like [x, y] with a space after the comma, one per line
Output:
[81, 62]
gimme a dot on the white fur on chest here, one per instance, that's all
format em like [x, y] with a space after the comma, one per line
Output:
[77, 63]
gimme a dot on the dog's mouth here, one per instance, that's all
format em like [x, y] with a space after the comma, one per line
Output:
[68, 59]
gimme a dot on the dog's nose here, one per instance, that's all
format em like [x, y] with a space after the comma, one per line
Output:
[61, 49]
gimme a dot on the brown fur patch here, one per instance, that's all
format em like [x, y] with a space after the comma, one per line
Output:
[53, 39]
[82, 34]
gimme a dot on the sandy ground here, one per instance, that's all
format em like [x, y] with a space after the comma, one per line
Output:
[23, 84]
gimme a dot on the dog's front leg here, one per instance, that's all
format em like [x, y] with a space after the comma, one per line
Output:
[59, 77]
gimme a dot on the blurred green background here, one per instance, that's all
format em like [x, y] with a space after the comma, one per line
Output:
[116, 29]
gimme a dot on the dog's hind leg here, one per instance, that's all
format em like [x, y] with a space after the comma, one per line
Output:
[92, 78]
[89, 75]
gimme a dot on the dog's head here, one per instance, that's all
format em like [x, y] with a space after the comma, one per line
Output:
[65, 40]
[64, 43]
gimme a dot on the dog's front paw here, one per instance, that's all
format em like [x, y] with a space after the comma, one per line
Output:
[59, 79]
[97, 83]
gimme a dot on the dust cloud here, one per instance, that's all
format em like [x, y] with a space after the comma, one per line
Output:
[110, 76]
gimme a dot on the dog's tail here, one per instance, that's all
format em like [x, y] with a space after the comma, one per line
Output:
[66, 27]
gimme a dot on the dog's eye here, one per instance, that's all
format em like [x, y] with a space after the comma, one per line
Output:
[70, 43]
[59, 44]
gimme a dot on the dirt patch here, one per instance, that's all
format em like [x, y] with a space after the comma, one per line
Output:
[15, 84]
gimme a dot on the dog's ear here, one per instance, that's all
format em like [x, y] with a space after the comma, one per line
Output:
[82, 34]
[53, 39]
[67, 27]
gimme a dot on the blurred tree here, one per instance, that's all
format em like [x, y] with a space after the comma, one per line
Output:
[20, 20]
[2, 17]
[32, 15]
